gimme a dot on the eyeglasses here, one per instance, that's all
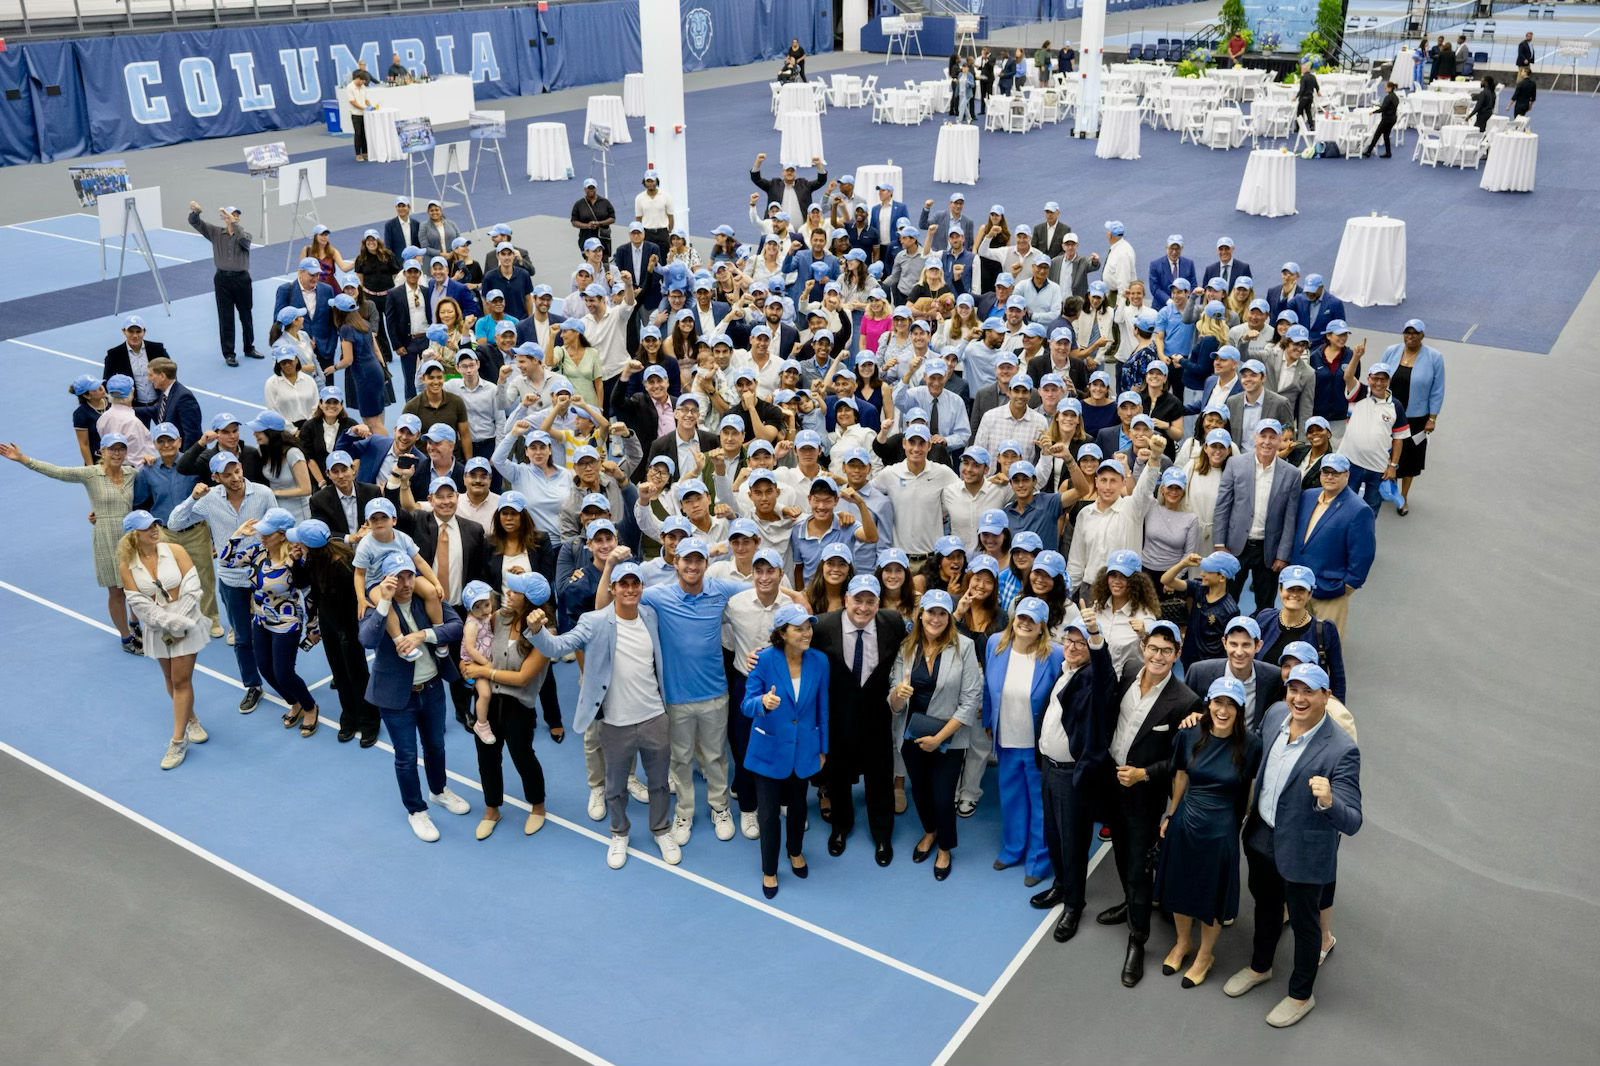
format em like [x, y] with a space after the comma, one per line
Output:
[1160, 653]
[1076, 642]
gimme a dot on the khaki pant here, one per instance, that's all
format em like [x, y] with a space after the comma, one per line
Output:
[700, 733]
[1334, 610]
[196, 540]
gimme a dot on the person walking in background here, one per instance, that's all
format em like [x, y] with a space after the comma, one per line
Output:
[1306, 96]
[230, 252]
[1388, 110]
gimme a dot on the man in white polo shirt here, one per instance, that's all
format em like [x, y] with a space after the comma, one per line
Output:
[1374, 432]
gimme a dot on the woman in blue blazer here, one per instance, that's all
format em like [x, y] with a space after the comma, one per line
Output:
[1021, 667]
[1418, 383]
[786, 693]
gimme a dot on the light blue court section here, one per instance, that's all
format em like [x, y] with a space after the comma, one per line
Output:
[64, 251]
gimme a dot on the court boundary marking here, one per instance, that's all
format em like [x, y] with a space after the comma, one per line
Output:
[717, 887]
[22, 228]
[101, 364]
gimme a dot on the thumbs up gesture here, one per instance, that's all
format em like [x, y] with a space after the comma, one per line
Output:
[902, 692]
[770, 699]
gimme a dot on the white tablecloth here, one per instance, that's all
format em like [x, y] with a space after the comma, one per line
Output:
[847, 90]
[1513, 157]
[383, 144]
[1404, 68]
[1233, 79]
[1329, 130]
[633, 95]
[549, 158]
[442, 100]
[1451, 139]
[796, 96]
[905, 106]
[1231, 114]
[869, 177]
[956, 159]
[1268, 185]
[1371, 268]
[607, 111]
[802, 138]
[1119, 133]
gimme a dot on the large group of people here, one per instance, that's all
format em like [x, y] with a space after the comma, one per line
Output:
[880, 502]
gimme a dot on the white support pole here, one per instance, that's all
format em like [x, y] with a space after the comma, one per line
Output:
[666, 142]
[1090, 56]
[855, 17]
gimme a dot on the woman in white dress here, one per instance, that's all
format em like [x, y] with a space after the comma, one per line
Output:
[163, 588]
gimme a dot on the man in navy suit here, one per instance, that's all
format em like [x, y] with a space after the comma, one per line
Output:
[173, 402]
[1276, 300]
[315, 298]
[1334, 537]
[408, 689]
[1259, 533]
[1316, 306]
[440, 285]
[1167, 268]
[1229, 267]
[802, 262]
[1306, 794]
[886, 215]
[635, 257]
[407, 314]
[1263, 682]
[402, 231]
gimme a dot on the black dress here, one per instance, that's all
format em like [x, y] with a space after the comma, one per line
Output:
[1413, 455]
[1199, 871]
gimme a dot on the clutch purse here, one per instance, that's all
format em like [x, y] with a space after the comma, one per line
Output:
[920, 725]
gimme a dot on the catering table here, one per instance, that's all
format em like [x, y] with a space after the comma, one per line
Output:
[869, 177]
[1268, 184]
[796, 96]
[904, 106]
[802, 138]
[1329, 130]
[1119, 133]
[607, 111]
[847, 90]
[956, 158]
[442, 101]
[383, 144]
[1371, 267]
[1233, 80]
[633, 95]
[1513, 156]
[549, 158]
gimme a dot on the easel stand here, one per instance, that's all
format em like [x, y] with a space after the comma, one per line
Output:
[486, 146]
[133, 226]
[305, 210]
[456, 179]
[267, 185]
[411, 180]
[601, 156]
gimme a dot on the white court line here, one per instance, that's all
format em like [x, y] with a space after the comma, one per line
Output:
[100, 363]
[80, 240]
[1009, 972]
[600, 838]
[315, 912]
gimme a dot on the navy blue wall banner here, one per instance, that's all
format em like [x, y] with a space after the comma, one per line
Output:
[42, 113]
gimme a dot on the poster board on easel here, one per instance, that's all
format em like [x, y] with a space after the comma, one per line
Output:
[122, 216]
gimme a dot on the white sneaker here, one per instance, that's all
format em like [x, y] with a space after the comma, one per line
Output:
[176, 750]
[671, 854]
[617, 852]
[749, 826]
[216, 629]
[680, 830]
[638, 789]
[597, 802]
[423, 826]
[230, 636]
[722, 823]
[195, 733]
[450, 801]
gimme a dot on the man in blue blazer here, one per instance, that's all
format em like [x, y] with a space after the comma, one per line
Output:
[886, 215]
[408, 688]
[1334, 536]
[803, 263]
[1229, 267]
[1168, 268]
[1260, 536]
[315, 298]
[440, 285]
[1306, 794]
[1262, 681]
[173, 403]
[1316, 306]
[376, 454]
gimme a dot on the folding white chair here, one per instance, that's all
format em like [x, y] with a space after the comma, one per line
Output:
[1194, 123]
[776, 89]
[1428, 147]
[1305, 139]
[1219, 131]
[1016, 115]
[880, 107]
[869, 85]
[1471, 151]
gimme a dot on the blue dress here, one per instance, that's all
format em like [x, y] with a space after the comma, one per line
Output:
[363, 380]
[1199, 870]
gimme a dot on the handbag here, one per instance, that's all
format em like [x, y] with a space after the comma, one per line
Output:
[920, 724]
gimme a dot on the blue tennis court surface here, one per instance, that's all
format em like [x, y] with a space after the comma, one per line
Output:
[65, 251]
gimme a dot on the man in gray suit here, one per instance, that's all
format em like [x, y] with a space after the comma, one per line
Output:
[1263, 682]
[1258, 531]
[1070, 270]
[1247, 409]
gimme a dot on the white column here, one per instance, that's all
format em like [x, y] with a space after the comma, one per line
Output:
[855, 17]
[661, 43]
[1093, 32]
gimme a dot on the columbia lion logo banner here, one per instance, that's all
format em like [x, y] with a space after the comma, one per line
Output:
[697, 31]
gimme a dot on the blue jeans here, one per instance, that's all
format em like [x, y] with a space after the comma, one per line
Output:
[1364, 483]
[275, 655]
[236, 602]
[423, 716]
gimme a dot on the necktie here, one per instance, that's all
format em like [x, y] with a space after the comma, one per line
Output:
[933, 418]
[441, 564]
[860, 658]
[161, 408]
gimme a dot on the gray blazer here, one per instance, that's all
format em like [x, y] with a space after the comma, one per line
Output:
[957, 692]
[1073, 277]
[1298, 385]
[1269, 685]
[1272, 406]
[1236, 502]
[436, 238]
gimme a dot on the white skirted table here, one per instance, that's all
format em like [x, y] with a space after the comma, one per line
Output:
[796, 96]
[847, 90]
[802, 138]
[955, 160]
[1268, 184]
[1513, 157]
[607, 111]
[1405, 67]
[549, 158]
[869, 177]
[1371, 268]
[1119, 133]
[443, 100]
[1232, 116]
[633, 95]
[383, 143]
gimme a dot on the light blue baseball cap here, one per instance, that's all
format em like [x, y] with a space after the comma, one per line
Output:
[313, 533]
[1124, 561]
[1300, 651]
[863, 583]
[1027, 541]
[1224, 563]
[1244, 622]
[1225, 687]
[937, 599]
[1033, 607]
[1309, 674]
[165, 429]
[140, 519]
[219, 462]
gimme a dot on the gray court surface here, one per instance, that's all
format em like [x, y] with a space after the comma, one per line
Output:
[1467, 906]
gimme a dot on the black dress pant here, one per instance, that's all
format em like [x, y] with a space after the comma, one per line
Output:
[876, 769]
[347, 662]
[549, 701]
[1135, 832]
[358, 126]
[933, 777]
[408, 363]
[1272, 893]
[1306, 110]
[234, 295]
[1385, 127]
[512, 722]
[1068, 828]
[379, 325]
[742, 780]
[771, 794]
[1254, 564]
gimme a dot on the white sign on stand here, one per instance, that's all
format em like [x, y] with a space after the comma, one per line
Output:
[299, 186]
[122, 216]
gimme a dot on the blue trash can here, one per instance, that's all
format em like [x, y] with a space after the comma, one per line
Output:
[330, 115]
